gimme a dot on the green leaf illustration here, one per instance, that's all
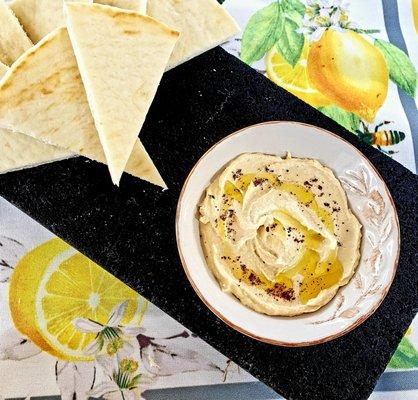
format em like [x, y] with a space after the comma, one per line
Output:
[401, 69]
[290, 43]
[293, 6]
[261, 32]
[348, 120]
[405, 357]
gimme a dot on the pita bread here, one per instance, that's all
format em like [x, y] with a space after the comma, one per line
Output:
[3, 69]
[43, 96]
[13, 39]
[134, 5]
[40, 17]
[19, 151]
[203, 24]
[121, 56]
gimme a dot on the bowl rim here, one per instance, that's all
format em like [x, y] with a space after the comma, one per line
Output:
[241, 329]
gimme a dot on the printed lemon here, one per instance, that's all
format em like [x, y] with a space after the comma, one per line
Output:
[294, 79]
[350, 71]
[54, 284]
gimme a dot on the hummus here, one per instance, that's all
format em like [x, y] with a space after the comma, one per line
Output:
[278, 233]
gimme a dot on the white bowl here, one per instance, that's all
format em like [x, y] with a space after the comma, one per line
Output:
[369, 199]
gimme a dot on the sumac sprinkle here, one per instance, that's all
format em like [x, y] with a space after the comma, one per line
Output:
[280, 291]
[237, 174]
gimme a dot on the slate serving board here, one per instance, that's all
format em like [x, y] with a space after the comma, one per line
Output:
[130, 230]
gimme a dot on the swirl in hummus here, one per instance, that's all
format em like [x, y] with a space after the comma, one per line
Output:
[278, 233]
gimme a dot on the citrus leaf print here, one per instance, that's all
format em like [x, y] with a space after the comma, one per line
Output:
[294, 10]
[405, 357]
[290, 43]
[261, 32]
[401, 70]
[348, 120]
[293, 5]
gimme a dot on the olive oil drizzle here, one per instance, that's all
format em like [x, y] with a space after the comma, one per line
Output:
[312, 275]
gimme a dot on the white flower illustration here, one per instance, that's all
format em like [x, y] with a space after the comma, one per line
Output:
[14, 346]
[112, 336]
[116, 351]
[321, 15]
[123, 378]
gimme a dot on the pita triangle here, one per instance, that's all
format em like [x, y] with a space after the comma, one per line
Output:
[39, 17]
[43, 96]
[13, 39]
[19, 151]
[203, 24]
[121, 56]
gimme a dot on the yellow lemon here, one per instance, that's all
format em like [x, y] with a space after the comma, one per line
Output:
[350, 71]
[52, 286]
[294, 79]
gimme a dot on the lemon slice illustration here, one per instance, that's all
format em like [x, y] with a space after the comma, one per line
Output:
[52, 286]
[294, 79]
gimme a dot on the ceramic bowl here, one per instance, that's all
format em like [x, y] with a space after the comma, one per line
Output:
[369, 199]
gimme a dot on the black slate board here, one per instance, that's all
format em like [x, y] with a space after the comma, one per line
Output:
[130, 230]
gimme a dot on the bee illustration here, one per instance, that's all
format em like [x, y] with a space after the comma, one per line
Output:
[380, 137]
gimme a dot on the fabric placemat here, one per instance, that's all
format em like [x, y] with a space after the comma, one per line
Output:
[130, 230]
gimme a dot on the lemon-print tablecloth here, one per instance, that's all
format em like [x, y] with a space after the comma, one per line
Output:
[70, 329]
[353, 60]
